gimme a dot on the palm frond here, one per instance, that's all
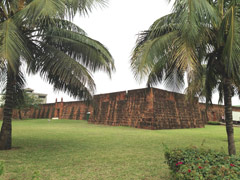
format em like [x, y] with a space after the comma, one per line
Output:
[85, 50]
[63, 24]
[12, 45]
[83, 7]
[196, 83]
[231, 25]
[153, 46]
[39, 10]
[146, 55]
[64, 72]
[37, 32]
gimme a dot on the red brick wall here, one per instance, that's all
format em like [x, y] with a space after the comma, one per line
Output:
[146, 108]
[172, 111]
[62, 110]
[214, 112]
[124, 109]
[143, 108]
[44, 111]
[74, 110]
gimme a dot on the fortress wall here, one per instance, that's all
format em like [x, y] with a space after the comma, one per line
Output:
[142, 108]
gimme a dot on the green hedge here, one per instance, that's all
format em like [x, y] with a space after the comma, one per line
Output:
[1, 168]
[196, 164]
[214, 123]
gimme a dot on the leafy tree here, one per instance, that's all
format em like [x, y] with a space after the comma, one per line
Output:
[23, 101]
[199, 38]
[40, 33]
[28, 101]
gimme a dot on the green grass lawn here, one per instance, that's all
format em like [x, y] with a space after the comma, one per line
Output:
[68, 149]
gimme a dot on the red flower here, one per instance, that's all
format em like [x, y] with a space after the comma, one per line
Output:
[179, 163]
[189, 170]
[232, 165]
[200, 167]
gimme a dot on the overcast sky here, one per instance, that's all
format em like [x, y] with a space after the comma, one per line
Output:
[116, 26]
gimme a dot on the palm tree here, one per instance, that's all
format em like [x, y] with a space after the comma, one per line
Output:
[40, 34]
[199, 38]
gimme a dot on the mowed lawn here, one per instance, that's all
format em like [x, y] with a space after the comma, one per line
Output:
[70, 149]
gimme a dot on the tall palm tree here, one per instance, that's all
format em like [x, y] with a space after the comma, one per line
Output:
[199, 38]
[40, 33]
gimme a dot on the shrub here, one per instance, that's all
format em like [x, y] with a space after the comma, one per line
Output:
[193, 163]
[1, 168]
[214, 123]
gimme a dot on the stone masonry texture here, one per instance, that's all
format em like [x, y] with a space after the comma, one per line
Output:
[148, 108]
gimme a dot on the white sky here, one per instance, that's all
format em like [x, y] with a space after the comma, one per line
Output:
[115, 26]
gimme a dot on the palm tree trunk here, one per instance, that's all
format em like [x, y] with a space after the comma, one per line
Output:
[228, 116]
[6, 130]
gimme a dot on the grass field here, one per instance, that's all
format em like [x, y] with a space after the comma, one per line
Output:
[68, 149]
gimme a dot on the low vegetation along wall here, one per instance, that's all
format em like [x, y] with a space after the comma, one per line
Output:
[143, 108]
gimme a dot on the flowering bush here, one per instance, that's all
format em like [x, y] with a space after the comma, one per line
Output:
[194, 163]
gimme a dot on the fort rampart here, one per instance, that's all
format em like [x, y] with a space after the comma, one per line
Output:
[143, 108]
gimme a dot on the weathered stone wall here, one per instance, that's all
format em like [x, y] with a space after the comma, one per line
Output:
[44, 111]
[133, 108]
[73, 110]
[146, 108]
[63, 110]
[172, 111]
[143, 108]
[214, 112]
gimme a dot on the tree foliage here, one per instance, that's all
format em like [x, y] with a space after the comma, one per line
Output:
[24, 100]
[40, 33]
[199, 38]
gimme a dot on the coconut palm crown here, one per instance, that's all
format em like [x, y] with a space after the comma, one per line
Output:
[199, 38]
[40, 34]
